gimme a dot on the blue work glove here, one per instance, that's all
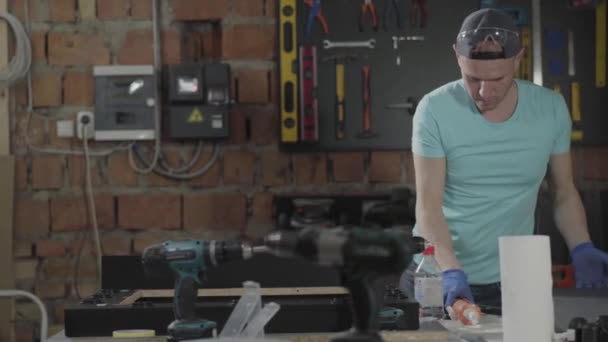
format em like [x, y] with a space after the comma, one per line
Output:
[455, 286]
[590, 266]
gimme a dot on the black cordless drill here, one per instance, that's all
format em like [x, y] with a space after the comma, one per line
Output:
[189, 259]
[361, 256]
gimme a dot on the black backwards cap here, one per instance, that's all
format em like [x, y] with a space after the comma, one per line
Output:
[485, 24]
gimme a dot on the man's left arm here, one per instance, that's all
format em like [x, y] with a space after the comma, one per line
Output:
[590, 264]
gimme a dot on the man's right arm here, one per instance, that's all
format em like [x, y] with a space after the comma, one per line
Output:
[430, 181]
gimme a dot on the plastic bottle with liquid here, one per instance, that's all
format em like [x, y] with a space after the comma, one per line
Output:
[428, 286]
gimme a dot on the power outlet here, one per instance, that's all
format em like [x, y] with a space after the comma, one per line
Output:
[85, 120]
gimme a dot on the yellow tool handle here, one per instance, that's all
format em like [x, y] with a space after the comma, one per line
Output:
[340, 98]
[575, 94]
[600, 44]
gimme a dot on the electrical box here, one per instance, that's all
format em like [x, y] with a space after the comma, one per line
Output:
[199, 101]
[125, 102]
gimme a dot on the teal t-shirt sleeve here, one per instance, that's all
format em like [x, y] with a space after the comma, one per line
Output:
[563, 125]
[426, 140]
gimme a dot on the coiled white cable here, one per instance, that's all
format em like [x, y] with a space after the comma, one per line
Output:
[44, 317]
[20, 64]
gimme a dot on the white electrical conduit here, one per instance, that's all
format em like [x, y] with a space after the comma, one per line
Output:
[44, 321]
[157, 94]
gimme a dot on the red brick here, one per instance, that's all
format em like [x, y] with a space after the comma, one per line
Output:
[271, 9]
[221, 211]
[264, 127]
[76, 166]
[83, 246]
[262, 208]
[148, 238]
[410, 176]
[238, 128]
[21, 173]
[79, 88]
[239, 167]
[348, 167]
[310, 169]
[112, 9]
[595, 162]
[385, 167]
[149, 211]
[31, 217]
[71, 213]
[211, 42]
[87, 266]
[56, 268]
[25, 269]
[117, 9]
[199, 9]
[50, 248]
[23, 249]
[63, 11]
[47, 172]
[275, 168]
[141, 9]
[119, 171]
[249, 8]
[253, 86]
[137, 48]
[249, 42]
[46, 89]
[38, 10]
[77, 49]
[116, 244]
[38, 39]
[86, 288]
[48, 289]
[211, 177]
[36, 130]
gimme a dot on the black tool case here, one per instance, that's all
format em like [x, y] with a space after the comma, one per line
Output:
[102, 313]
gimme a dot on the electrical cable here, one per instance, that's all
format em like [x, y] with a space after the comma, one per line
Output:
[91, 199]
[157, 94]
[195, 157]
[44, 317]
[20, 64]
[178, 176]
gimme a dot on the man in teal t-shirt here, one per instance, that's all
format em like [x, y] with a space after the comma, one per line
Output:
[482, 146]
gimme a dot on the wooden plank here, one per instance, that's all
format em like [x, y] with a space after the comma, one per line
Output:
[7, 175]
[4, 93]
[7, 167]
[237, 292]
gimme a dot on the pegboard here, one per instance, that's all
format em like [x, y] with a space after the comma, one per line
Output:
[557, 19]
[424, 65]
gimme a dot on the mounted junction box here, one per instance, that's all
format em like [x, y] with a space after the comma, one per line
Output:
[124, 102]
[199, 101]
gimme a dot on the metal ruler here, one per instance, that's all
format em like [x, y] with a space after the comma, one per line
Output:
[600, 44]
[340, 101]
[289, 77]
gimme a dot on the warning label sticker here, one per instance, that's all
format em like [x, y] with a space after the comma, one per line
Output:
[196, 116]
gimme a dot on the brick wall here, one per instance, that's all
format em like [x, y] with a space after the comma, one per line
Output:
[233, 199]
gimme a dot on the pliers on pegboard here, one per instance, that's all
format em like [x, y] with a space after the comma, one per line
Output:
[315, 13]
[418, 13]
[396, 9]
[368, 7]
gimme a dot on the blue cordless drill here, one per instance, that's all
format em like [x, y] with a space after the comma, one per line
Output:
[189, 259]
